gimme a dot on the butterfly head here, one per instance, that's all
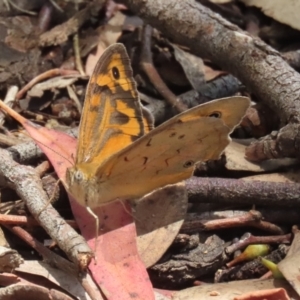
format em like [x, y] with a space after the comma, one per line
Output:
[77, 180]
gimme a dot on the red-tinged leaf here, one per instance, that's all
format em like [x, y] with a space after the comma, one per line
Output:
[119, 271]
[59, 147]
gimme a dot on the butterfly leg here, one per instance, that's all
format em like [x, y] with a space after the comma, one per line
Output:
[129, 212]
[89, 210]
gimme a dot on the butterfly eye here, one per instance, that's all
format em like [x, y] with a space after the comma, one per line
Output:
[188, 164]
[116, 73]
[215, 114]
[78, 176]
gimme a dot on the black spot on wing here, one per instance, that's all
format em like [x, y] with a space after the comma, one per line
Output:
[188, 164]
[129, 97]
[118, 118]
[115, 73]
[134, 137]
[158, 171]
[103, 63]
[167, 162]
[216, 114]
[149, 143]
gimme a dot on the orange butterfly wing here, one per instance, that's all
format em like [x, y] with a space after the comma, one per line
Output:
[112, 119]
[112, 115]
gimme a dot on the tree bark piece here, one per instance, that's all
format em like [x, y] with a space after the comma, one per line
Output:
[61, 33]
[219, 190]
[29, 187]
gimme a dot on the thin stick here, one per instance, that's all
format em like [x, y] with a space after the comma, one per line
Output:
[78, 61]
[150, 70]
[9, 100]
[32, 13]
[43, 76]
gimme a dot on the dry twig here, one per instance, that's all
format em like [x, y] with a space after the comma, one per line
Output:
[148, 67]
[29, 187]
[220, 190]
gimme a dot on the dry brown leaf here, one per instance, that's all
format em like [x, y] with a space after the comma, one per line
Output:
[28, 290]
[286, 12]
[211, 74]
[192, 66]
[159, 216]
[3, 241]
[236, 161]
[58, 82]
[289, 266]
[285, 177]
[271, 294]
[230, 290]
[58, 277]
[108, 36]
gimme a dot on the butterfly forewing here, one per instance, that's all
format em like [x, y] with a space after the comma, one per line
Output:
[112, 115]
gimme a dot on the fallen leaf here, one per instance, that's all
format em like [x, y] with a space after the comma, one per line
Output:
[236, 161]
[28, 290]
[286, 177]
[159, 216]
[58, 277]
[272, 294]
[231, 290]
[211, 74]
[58, 82]
[192, 65]
[283, 12]
[108, 35]
[289, 266]
[3, 241]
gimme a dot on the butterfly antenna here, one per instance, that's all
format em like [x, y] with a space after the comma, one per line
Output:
[38, 142]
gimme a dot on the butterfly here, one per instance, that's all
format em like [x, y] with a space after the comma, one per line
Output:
[118, 155]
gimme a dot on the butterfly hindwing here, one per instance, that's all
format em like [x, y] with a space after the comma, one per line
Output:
[168, 153]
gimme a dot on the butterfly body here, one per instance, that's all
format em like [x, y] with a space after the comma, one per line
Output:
[118, 158]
